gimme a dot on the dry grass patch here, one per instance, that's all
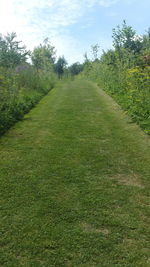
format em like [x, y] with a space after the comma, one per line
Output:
[148, 261]
[88, 228]
[129, 242]
[129, 180]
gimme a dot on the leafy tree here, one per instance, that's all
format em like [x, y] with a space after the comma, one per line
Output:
[95, 50]
[76, 68]
[60, 66]
[11, 53]
[126, 37]
[43, 56]
[86, 59]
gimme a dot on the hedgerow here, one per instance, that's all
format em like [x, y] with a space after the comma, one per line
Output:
[23, 84]
[124, 73]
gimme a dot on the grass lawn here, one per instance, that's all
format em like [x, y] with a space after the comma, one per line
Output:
[75, 183]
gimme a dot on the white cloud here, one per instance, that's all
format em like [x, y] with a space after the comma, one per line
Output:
[44, 14]
[34, 20]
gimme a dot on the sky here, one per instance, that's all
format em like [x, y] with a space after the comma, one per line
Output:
[72, 26]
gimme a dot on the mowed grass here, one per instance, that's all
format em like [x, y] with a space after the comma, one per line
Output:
[75, 178]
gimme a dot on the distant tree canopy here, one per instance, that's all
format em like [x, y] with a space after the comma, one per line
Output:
[44, 55]
[11, 53]
[76, 68]
[60, 66]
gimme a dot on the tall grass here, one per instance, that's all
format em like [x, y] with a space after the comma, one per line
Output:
[130, 87]
[20, 90]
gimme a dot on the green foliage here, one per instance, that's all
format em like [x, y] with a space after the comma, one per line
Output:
[76, 68]
[60, 66]
[43, 56]
[138, 94]
[20, 91]
[22, 85]
[125, 73]
[11, 53]
[127, 38]
[95, 50]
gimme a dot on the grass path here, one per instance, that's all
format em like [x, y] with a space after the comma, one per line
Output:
[75, 182]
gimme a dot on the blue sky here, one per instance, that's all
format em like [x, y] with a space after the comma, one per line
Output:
[72, 26]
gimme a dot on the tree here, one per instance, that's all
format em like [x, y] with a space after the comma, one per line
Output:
[76, 68]
[11, 53]
[126, 37]
[86, 59]
[95, 49]
[43, 56]
[60, 66]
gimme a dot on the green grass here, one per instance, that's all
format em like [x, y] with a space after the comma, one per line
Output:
[75, 184]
